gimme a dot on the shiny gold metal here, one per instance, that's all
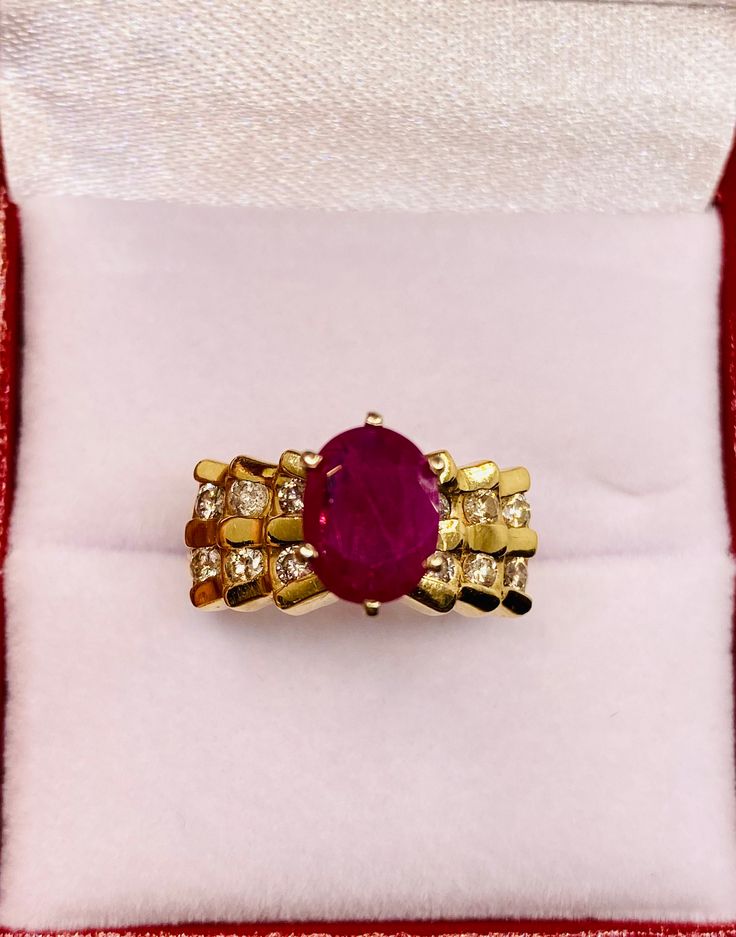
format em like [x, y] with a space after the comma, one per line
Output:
[285, 528]
[311, 459]
[515, 603]
[479, 475]
[522, 541]
[450, 534]
[200, 533]
[248, 596]
[302, 595]
[443, 466]
[292, 463]
[474, 600]
[373, 419]
[209, 471]
[512, 481]
[244, 467]
[432, 596]
[207, 594]
[240, 532]
[434, 563]
[487, 538]
[458, 540]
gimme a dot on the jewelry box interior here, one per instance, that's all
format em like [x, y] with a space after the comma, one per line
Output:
[503, 242]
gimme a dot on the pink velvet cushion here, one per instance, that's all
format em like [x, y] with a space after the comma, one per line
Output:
[165, 765]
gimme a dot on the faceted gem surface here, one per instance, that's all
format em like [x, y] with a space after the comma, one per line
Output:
[480, 568]
[516, 511]
[291, 496]
[443, 568]
[371, 510]
[290, 565]
[247, 498]
[244, 564]
[204, 563]
[516, 572]
[481, 507]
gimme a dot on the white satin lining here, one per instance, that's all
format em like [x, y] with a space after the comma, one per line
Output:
[443, 104]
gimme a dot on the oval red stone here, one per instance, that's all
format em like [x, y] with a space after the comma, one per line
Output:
[371, 510]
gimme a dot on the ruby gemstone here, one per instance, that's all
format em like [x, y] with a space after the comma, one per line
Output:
[371, 510]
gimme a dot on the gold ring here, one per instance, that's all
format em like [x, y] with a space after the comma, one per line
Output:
[368, 519]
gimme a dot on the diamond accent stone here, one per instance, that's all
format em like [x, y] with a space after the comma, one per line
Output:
[247, 498]
[204, 563]
[516, 573]
[243, 564]
[291, 565]
[481, 506]
[445, 506]
[480, 568]
[210, 499]
[441, 566]
[291, 496]
[516, 510]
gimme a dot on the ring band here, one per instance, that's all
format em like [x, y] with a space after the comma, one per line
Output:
[369, 519]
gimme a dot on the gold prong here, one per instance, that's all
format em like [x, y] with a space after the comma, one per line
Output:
[311, 459]
[371, 607]
[443, 466]
[434, 563]
[373, 419]
[307, 552]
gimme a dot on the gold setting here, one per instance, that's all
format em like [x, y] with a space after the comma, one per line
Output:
[478, 567]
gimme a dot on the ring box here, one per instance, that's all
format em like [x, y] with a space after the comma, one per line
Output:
[531, 275]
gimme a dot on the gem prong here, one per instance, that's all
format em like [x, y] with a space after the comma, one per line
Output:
[443, 466]
[311, 459]
[371, 607]
[373, 419]
[307, 552]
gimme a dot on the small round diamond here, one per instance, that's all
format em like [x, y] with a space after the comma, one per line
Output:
[480, 568]
[441, 566]
[247, 498]
[445, 506]
[243, 564]
[209, 501]
[516, 511]
[204, 563]
[481, 506]
[291, 565]
[291, 496]
[516, 572]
